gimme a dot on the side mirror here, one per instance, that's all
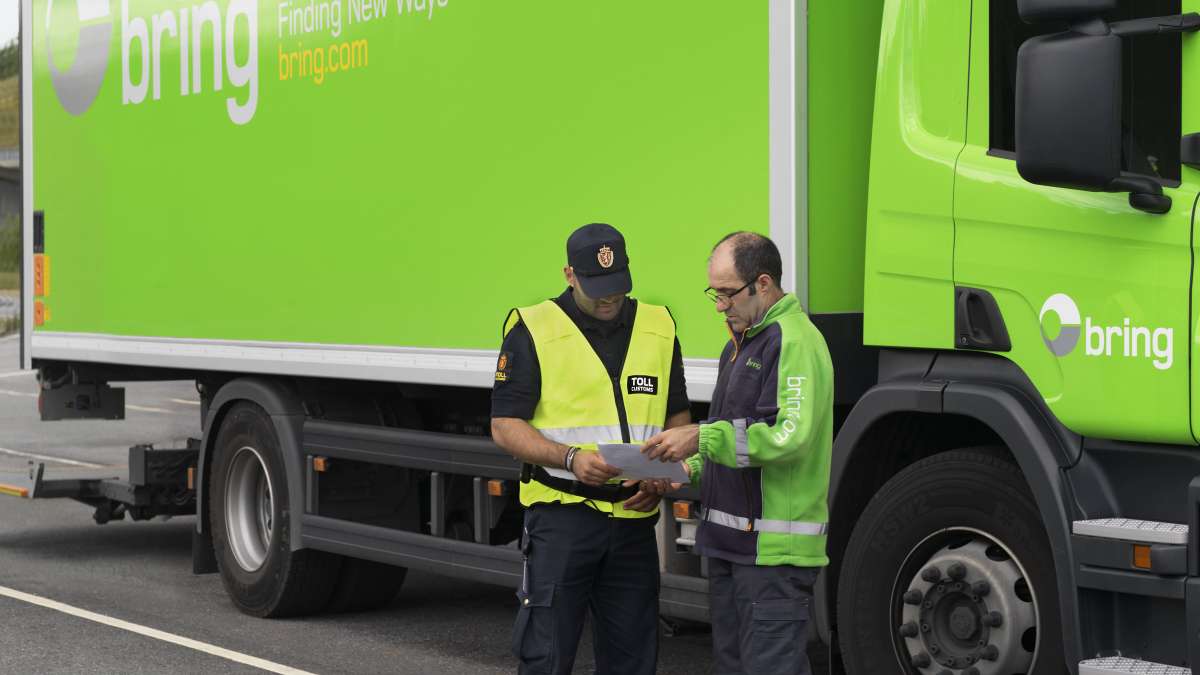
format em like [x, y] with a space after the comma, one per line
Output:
[1068, 115]
[1069, 99]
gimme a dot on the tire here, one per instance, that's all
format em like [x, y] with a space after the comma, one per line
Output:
[251, 523]
[365, 585]
[967, 516]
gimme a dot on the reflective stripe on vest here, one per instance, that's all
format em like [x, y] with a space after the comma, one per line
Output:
[580, 435]
[761, 525]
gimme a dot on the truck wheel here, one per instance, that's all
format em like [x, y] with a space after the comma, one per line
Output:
[949, 569]
[365, 585]
[250, 523]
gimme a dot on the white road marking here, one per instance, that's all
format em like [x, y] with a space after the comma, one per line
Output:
[18, 373]
[48, 458]
[144, 408]
[130, 406]
[185, 402]
[221, 652]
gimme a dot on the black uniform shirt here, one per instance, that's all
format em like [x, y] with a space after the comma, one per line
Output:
[519, 378]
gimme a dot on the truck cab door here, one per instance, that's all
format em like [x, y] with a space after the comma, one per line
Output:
[1095, 295]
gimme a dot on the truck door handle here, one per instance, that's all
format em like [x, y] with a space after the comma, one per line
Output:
[978, 323]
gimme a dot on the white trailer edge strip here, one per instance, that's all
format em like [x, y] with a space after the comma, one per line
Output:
[48, 458]
[788, 35]
[26, 41]
[164, 636]
[460, 367]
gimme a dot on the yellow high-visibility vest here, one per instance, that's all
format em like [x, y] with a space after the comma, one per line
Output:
[578, 403]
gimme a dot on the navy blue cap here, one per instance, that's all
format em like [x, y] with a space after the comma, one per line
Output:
[597, 254]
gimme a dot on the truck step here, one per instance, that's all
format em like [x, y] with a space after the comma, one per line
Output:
[1112, 665]
[1130, 529]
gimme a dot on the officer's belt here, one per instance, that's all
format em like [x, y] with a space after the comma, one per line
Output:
[604, 493]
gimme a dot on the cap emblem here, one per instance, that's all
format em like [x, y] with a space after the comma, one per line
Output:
[605, 257]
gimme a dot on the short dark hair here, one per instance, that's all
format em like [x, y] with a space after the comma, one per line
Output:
[754, 255]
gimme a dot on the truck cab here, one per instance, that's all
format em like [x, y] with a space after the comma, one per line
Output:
[1018, 486]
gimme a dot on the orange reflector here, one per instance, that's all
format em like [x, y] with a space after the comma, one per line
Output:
[682, 510]
[496, 488]
[39, 313]
[1141, 556]
[13, 491]
[320, 464]
[191, 478]
[41, 266]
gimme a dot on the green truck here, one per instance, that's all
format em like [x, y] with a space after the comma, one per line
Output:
[321, 211]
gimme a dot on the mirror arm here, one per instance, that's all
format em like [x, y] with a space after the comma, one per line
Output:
[1160, 25]
[1145, 193]
[1135, 183]
[1092, 26]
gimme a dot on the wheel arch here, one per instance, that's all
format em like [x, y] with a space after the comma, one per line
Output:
[952, 401]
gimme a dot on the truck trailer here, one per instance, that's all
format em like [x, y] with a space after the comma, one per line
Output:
[321, 211]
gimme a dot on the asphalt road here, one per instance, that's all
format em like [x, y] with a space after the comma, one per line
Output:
[140, 573]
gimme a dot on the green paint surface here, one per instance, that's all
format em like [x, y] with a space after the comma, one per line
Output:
[843, 41]
[919, 128]
[414, 198]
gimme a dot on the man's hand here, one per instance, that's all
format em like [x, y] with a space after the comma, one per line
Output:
[590, 468]
[647, 497]
[674, 445]
[650, 492]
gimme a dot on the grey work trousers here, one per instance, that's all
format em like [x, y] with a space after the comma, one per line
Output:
[760, 617]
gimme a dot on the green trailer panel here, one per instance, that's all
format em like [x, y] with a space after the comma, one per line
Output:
[397, 176]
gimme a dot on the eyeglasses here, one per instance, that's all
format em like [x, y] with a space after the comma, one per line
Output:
[716, 296]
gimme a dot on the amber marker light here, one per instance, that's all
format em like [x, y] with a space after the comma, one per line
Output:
[41, 268]
[1141, 556]
[14, 491]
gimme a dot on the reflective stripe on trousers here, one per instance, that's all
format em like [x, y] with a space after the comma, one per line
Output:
[762, 525]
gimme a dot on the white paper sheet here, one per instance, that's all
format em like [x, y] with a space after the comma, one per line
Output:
[629, 459]
[560, 473]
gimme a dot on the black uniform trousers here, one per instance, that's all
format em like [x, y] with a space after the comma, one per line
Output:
[760, 617]
[579, 559]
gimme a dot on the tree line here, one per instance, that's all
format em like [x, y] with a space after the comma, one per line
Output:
[10, 60]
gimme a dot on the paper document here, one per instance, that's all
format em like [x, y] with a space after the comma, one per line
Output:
[560, 473]
[629, 459]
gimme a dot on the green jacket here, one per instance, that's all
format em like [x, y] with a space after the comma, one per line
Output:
[765, 450]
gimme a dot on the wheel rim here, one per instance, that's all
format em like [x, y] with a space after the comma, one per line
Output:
[963, 602]
[249, 508]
